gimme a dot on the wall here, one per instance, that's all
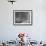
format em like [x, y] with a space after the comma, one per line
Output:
[38, 30]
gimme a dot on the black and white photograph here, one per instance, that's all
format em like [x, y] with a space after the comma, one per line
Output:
[22, 17]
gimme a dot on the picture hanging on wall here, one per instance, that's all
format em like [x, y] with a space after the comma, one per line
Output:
[22, 17]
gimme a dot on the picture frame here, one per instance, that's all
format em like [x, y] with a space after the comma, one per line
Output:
[22, 17]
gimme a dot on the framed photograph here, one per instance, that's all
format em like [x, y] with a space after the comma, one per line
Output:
[22, 17]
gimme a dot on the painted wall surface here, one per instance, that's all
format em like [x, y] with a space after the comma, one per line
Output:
[38, 30]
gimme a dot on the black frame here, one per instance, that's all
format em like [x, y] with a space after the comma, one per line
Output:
[23, 24]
